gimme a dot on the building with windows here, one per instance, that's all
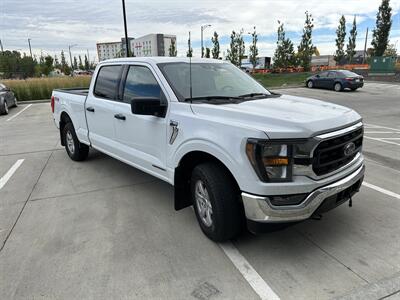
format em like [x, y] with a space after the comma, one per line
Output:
[155, 44]
[108, 50]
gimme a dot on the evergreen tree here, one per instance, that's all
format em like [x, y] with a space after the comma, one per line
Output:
[172, 48]
[215, 49]
[75, 64]
[80, 66]
[351, 46]
[341, 35]
[253, 53]
[306, 48]
[380, 36]
[87, 67]
[64, 66]
[284, 53]
[207, 54]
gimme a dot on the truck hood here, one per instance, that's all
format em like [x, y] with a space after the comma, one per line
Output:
[281, 117]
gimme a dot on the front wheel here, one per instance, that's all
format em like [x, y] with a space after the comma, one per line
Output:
[337, 87]
[216, 202]
[310, 84]
[75, 149]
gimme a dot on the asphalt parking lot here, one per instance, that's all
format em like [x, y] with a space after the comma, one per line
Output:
[100, 229]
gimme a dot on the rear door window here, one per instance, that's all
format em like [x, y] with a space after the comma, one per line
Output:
[107, 82]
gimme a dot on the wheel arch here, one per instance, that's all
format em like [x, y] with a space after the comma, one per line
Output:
[64, 119]
[183, 171]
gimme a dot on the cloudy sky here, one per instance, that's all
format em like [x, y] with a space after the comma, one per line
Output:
[52, 25]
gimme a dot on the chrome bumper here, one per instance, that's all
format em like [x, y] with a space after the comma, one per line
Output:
[259, 209]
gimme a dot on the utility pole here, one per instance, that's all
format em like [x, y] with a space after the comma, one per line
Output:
[30, 49]
[87, 50]
[365, 46]
[1, 46]
[202, 29]
[126, 30]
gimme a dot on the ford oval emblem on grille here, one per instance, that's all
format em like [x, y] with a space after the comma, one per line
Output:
[349, 149]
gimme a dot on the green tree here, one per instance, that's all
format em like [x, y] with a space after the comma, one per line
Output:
[306, 48]
[57, 64]
[284, 56]
[75, 63]
[237, 48]
[253, 53]
[172, 48]
[64, 66]
[215, 49]
[87, 67]
[341, 35]
[391, 51]
[351, 46]
[207, 54]
[80, 66]
[380, 36]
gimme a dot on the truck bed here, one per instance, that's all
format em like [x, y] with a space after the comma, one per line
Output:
[75, 91]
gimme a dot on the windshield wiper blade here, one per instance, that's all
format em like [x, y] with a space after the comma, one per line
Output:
[250, 95]
[210, 98]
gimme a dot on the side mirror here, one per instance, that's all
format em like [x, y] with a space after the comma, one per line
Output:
[148, 106]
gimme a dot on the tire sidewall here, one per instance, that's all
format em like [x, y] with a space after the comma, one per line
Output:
[310, 84]
[211, 230]
[335, 85]
[5, 108]
[69, 127]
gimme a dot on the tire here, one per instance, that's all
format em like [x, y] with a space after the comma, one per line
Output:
[222, 196]
[310, 84]
[337, 87]
[15, 102]
[4, 109]
[75, 149]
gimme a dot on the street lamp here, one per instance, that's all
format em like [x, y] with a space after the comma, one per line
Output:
[202, 29]
[70, 58]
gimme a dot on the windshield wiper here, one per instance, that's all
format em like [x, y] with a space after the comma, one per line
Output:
[251, 95]
[210, 98]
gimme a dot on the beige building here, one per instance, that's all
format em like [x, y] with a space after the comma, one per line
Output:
[108, 50]
[155, 44]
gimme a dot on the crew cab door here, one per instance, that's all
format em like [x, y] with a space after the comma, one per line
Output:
[100, 106]
[142, 138]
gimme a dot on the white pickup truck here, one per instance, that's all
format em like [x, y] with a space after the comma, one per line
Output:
[230, 148]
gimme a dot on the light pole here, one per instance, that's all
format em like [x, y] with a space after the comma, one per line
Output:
[202, 29]
[30, 49]
[70, 58]
[126, 30]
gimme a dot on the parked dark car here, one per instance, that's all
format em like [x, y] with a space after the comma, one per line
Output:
[7, 99]
[337, 80]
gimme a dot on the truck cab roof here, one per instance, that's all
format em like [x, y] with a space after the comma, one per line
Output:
[161, 59]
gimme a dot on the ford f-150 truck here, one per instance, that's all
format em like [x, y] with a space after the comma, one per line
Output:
[241, 155]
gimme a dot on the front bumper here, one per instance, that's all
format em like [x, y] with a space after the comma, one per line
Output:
[260, 209]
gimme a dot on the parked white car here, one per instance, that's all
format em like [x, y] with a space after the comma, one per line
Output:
[230, 148]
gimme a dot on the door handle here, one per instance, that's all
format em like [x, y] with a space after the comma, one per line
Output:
[91, 109]
[120, 117]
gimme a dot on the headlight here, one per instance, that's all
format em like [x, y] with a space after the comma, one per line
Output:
[272, 160]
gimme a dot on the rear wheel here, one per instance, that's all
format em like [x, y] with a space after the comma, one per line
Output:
[216, 202]
[4, 109]
[337, 87]
[310, 84]
[75, 149]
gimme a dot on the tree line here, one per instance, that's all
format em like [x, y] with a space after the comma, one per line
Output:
[13, 64]
[285, 55]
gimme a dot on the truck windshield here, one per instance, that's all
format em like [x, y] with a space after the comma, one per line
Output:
[222, 80]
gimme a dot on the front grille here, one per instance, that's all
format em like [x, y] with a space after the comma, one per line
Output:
[330, 154]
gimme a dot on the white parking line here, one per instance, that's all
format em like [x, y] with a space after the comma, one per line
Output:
[10, 172]
[372, 126]
[381, 190]
[25, 108]
[258, 284]
[381, 140]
